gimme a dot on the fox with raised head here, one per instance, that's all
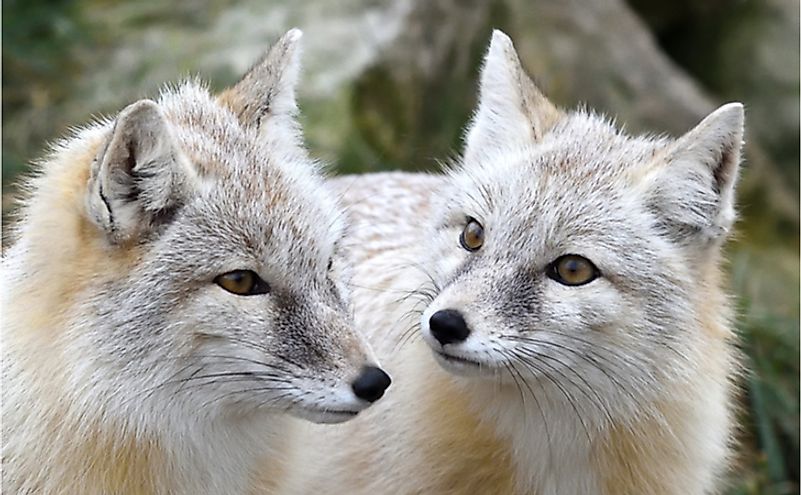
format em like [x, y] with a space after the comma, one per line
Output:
[173, 291]
[576, 334]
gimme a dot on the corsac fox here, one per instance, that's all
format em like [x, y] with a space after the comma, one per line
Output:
[576, 334]
[173, 290]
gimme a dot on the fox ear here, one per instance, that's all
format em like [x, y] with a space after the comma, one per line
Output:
[267, 90]
[139, 177]
[511, 110]
[693, 192]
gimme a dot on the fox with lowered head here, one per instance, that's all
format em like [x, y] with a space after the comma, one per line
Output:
[174, 291]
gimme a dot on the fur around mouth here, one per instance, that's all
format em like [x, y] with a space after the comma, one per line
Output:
[333, 412]
[457, 359]
[319, 415]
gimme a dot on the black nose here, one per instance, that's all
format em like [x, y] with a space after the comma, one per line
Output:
[448, 326]
[371, 383]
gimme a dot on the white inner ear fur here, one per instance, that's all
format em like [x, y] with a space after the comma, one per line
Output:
[511, 110]
[695, 187]
[139, 175]
[267, 90]
[264, 99]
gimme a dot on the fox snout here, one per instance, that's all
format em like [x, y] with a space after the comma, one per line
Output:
[458, 347]
[371, 383]
[343, 376]
[448, 326]
[366, 380]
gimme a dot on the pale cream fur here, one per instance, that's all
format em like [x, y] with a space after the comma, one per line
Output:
[650, 212]
[126, 367]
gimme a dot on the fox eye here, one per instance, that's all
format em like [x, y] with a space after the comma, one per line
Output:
[242, 283]
[472, 237]
[572, 269]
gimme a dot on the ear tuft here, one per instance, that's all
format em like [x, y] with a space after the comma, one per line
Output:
[139, 177]
[268, 88]
[716, 142]
[511, 108]
[502, 67]
[694, 190]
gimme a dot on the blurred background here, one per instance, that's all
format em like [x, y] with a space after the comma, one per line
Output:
[389, 85]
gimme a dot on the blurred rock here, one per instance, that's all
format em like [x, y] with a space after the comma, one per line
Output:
[391, 84]
[744, 49]
[594, 52]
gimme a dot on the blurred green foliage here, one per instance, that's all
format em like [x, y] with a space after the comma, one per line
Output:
[769, 329]
[47, 46]
[37, 69]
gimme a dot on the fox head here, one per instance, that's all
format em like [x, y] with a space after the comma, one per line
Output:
[216, 281]
[570, 254]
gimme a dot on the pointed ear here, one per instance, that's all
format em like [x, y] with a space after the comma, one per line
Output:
[268, 88]
[693, 192]
[511, 110]
[139, 177]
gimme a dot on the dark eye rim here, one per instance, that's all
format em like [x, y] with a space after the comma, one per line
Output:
[461, 235]
[259, 285]
[553, 273]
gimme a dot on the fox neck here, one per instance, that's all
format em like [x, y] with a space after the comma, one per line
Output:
[550, 442]
[675, 441]
[72, 445]
[70, 426]
[216, 458]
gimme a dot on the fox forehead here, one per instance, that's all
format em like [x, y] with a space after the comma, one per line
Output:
[584, 161]
[252, 189]
[583, 149]
[575, 191]
[218, 144]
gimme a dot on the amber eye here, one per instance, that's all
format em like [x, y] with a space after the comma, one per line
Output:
[572, 269]
[242, 283]
[472, 237]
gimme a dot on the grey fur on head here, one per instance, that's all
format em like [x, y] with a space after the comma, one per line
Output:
[229, 187]
[649, 213]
